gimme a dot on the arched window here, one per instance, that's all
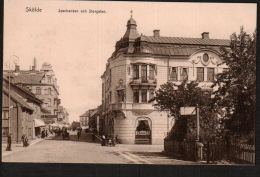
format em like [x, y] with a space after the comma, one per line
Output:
[38, 90]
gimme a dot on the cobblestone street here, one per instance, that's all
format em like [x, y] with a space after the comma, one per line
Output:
[56, 150]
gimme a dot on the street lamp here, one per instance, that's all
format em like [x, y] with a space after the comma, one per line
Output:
[15, 60]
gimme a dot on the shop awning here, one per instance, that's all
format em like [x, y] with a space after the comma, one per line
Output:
[54, 125]
[39, 123]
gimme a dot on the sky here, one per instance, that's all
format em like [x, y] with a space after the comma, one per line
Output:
[77, 45]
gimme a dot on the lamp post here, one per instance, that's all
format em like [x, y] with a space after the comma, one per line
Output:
[15, 60]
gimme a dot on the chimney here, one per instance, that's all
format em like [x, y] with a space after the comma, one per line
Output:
[156, 33]
[205, 35]
[35, 63]
[17, 68]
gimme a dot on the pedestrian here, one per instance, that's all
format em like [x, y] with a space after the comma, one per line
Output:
[9, 142]
[43, 134]
[103, 142]
[46, 133]
[79, 134]
[24, 140]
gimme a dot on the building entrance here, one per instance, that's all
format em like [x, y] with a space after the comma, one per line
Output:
[143, 132]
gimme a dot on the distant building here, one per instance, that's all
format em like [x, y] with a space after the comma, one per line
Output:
[63, 115]
[43, 84]
[84, 119]
[138, 66]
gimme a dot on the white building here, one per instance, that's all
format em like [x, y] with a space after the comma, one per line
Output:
[138, 66]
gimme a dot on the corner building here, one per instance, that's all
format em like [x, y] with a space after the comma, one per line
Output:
[138, 66]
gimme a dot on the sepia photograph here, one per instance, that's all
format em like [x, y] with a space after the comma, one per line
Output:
[156, 83]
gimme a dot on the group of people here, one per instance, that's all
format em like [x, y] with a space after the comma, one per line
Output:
[65, 134]
[24, 139]
[44, 133]
[109, 140]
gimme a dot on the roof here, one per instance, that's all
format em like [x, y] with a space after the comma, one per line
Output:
[173, 51]
[35, 98]
[27, 78]
[18, 99]
[182, 40]
[84, 115]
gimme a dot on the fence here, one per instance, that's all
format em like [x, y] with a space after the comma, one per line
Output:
[243, 153]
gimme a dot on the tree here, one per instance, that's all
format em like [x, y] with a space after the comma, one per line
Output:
[236, 93]
[171, 97]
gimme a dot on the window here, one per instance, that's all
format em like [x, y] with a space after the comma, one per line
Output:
[5, 131]
[200, 74]
[151, 72]
[205, 57]
[29, 88]
[49, 91]
[49, 80]
[136, 95]
[184, 73]
[136, 71]
[151, 94]
[210, 74]
[5, 114]
[38, 90]
[173, 75]
[49, 102]
[120, 94]
[144, 96]
[144, 73]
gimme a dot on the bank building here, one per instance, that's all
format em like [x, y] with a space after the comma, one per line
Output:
[137, 68]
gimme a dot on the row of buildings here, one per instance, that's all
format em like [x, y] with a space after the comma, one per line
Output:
[137, 67]
[30, 102]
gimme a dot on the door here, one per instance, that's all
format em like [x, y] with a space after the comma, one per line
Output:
[143, 133]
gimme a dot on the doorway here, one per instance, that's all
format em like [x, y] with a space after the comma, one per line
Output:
[143, 132]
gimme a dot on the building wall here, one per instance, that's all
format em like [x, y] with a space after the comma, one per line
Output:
[21, 120]
[122, 68]
[125, 128]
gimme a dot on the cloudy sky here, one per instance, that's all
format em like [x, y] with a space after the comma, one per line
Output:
[77, 45]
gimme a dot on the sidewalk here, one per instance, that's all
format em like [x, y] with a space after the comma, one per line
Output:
[18, 147]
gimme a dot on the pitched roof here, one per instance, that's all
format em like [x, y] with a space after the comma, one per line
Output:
[14, 96]
[182, 40]
[27, 78]
[84, 115]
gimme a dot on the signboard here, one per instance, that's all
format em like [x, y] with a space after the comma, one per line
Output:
[142, 132]
[184, 111]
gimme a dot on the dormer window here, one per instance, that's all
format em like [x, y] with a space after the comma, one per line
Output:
[38, 90]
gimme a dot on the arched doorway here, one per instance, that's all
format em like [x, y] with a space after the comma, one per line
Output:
[143, 132]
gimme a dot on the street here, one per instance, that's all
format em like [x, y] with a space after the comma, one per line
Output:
[56, 150]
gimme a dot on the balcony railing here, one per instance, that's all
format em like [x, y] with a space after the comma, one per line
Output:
[142, 81]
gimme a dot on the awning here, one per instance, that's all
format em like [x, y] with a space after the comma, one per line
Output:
[54, 125]
[39, 123]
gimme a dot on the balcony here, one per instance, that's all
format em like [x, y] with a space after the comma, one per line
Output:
[117, 106]
[143, 82]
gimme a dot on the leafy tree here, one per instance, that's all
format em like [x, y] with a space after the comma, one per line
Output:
[236, 93]
[171, 97]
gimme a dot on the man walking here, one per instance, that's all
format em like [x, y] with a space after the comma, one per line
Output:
[79, 134]
[9, 142]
